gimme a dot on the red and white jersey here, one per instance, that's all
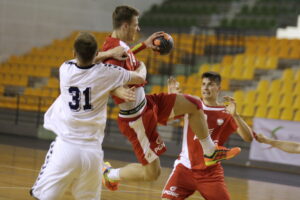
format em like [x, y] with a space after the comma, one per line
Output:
[220, 124]
[79, 113]
[131, 64]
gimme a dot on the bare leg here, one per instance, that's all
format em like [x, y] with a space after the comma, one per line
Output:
[138, 172]
[197, 119]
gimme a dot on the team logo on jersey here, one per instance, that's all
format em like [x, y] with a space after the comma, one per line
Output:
[220, 122]
[173, 188]
[171, 192]
[160, 144]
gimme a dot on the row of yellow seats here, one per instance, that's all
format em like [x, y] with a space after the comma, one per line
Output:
[25, 70]
[26, 103]
[292, 52]
[271, 113]
[244, 61]
[194, 81]
[42, 61]
[229, 71]
[13, 79]
[2, 88]
[41, 92]
[268, 100]
[288, 87]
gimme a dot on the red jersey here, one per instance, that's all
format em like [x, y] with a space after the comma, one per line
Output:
[220, 124]
[131, 64]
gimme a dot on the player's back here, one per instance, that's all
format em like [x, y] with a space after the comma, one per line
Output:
[79, 113]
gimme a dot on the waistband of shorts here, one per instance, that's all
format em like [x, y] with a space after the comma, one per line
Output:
[135, 111]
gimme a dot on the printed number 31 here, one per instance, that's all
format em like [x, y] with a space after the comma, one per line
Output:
[76, 97]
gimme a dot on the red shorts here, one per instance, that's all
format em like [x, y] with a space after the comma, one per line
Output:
[183, 182]
[141, 131]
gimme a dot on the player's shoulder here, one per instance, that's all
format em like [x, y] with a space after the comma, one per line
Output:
[108, 67]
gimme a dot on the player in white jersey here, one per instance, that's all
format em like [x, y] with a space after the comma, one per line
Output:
[78, 118]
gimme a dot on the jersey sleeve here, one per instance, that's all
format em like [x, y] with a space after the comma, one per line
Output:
[118, 76]
[233, 124]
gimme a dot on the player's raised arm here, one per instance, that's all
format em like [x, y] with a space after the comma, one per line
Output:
[243, 129]
[148, 43]
[287, 146]
[139, 75]
[118, 53]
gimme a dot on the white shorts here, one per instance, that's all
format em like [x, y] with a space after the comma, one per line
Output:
[70, 164]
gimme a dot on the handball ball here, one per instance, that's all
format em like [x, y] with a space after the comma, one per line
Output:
[165, 44]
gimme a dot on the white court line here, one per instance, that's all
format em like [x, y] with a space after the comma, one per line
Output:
[20, 168]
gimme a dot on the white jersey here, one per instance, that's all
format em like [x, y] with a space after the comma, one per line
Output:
[78, 115]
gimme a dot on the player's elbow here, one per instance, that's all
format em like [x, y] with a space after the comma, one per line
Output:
[136, 79]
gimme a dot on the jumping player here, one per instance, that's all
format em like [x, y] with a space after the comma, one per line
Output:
[222, 122]
[138, 120]
[287, 146]
[78, 118]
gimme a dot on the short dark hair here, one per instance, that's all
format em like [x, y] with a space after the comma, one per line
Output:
[212, 76]
[85, 46]
[123, 14]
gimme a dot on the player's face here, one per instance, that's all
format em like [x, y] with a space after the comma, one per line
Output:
[209, 89]
[133, 28]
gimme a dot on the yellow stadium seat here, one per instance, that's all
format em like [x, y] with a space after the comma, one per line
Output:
[249, 61]
[203, 68]
[248, 110]
[261, 111]
[287, 101]
[238, 96]
[288, 74]
[238, 60]
[263, 86]
[225, 84]
[226, 71]
[271, 63]
[296, 104]
[250, 97]
[216, 68]
[287, 87]
[248, 73]
[274, 100]
[260, 62]
[275, 87]
[237, 73]
[273, 113]
[227, 60]
[262, 99]
[296, 90]
[297, 76]
[287, 114]
[297, 116]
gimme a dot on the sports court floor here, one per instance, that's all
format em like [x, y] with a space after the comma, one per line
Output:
[20, 165]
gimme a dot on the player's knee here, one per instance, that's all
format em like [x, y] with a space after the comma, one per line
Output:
[152, 176]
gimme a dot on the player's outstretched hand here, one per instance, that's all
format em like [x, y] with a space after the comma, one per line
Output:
[231, 107]
[173, 86]
[149, 41]
[119, 53]
[125, 93]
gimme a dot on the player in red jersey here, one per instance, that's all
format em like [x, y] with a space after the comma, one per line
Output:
[222, 122]
[138, 120]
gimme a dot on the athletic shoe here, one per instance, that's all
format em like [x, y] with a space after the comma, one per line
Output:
[109, 184]
[221, 153]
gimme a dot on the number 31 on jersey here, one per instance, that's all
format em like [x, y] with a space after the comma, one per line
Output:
[75, 104]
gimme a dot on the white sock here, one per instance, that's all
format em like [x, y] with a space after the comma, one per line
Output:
[114, 174]
[208, 146]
